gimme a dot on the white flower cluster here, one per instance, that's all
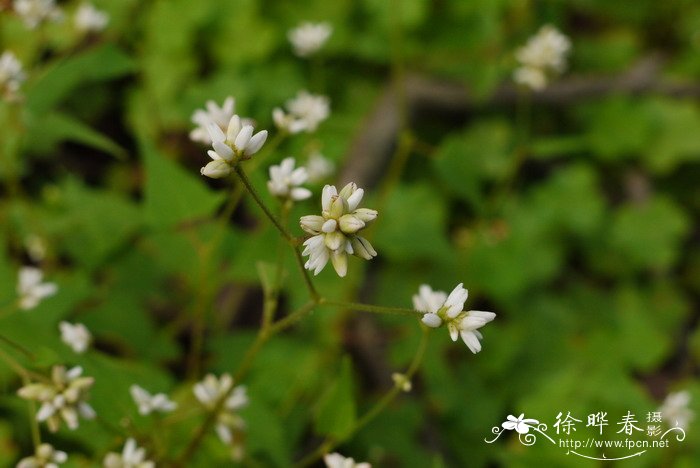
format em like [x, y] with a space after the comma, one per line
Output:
[45, 456]
[30, 288]
[237, 144]
[131, 457]
[308, 38]
[336, 460]
[285, 181]
[36, 12]
[213, 113]
[11, 75]
[541, 57]
[89, 19]
[77, 336]
[675, 410]
[438, 308]
[64, 398]
[229, 425]
[335, 231]
[304, 113]
[148, 403]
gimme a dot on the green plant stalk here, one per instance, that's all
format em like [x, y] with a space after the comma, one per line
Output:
[329, 444]
[370, 308]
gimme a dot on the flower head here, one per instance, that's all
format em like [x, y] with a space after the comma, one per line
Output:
[438, 308]
[543, 55]
[237, 144]
[31, 290]
[285, 181]
[336, 460]
[308, 38]
[335, 231]
[64, 398]
[520, 424]
[11, 75]
[131, 457]
[675, 409]
[148, 403]
[76, 336]
[304, 113]
[90, 19]
[36, 12]
[45, 456]
[318, 167]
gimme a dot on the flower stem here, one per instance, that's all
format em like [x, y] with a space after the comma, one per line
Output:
[370, 308]
[244, 178]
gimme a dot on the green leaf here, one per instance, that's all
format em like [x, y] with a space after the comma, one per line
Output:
[336, 413]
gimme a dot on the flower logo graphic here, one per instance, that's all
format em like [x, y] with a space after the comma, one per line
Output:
[520, 424]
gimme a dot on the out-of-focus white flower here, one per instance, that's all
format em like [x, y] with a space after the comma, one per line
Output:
[318, 167]
[76, 336]
[31, 290]
[213, 113]
[438, 308]
[308, 38]
[675, 409]
[285, 181]
[148, 403]
[401, 381]
[90, 19]
[64, 398]
[11, 75]
[45, 456]
[336, 460]
[335, 231]
[35, 12]
[542, 56]
[305, 112]
[131, 457]
[237, 144]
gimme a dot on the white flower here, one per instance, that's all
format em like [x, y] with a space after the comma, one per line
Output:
[438, 308]
[229, 425]
[521, 425]
[308, 38]
[318, 167]
[237, 144]
[45, 456]
[76, 336]
[336, 460]
[543, 55]
[305, 112]
[35, 12]
[31, 290]
[401, 381]
[148, 403]
[285, 181]
[335, 231]
[675, 409]
[11, 75]
[220, 116]
[64, 398]
[131, 457]
[90, 19]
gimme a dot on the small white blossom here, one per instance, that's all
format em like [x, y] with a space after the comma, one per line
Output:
[64, 398]
[45, 456]
[90, 19]
[336, 460]
[148, 403]
[76, 336]
[229, 425]
[675, 409]
[542, 56]
[308, 38]
[31, 290]
[335, 231]
[218, 115]
[11, 75]
[237, 144]
[285, 181]
[35, 12]
[401, 381]
[131, 457]
[438, 308]
[305, 112]
[319, 167]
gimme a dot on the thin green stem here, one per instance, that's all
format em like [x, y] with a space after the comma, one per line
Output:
[371, 308]
[246, 182]
[329, 444]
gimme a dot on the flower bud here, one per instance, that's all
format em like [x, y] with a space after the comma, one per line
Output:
[334, 240]
[340, 263]
[363, 248]
[216, 169]
[338, 207]
[312, 223]
[365, 214]
[350, 224]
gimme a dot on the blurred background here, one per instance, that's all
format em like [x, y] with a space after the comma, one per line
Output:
[570, 211]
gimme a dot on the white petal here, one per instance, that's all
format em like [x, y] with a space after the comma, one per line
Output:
[255, 143]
